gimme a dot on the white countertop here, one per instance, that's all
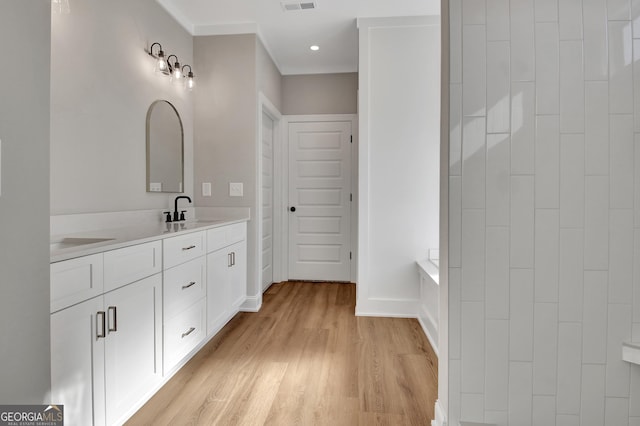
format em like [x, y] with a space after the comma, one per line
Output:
[132, 235]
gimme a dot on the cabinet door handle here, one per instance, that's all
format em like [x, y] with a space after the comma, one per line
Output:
[188, 332]
[233, 258]
[115, 319]
[191, 284]
[188, 248]
[100, 329]
[229, 261]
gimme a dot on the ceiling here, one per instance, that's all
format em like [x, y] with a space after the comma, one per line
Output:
[287, 35]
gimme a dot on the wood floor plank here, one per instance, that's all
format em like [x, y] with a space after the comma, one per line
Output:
[304, 359]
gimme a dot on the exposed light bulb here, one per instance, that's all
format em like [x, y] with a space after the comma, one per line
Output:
[161, 64]
[315, 47]
[190, 83]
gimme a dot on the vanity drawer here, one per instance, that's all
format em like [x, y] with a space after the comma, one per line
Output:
[180, 249]
[224, 236]
[184, 285]
[76, 280]
[182, 333]
[129, 264]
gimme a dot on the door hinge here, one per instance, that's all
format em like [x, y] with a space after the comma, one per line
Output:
[350, 256]
[351, 138]
[350, 197]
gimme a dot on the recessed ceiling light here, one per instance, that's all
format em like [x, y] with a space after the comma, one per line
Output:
[314, 47]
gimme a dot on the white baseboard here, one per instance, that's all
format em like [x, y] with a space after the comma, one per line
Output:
[439, 414]
[431, 332]
[387, 308]
[251, 304]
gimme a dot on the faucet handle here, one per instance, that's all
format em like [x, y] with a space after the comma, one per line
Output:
[182, 214]
[168, 219]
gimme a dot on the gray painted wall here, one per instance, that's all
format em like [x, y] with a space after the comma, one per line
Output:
[269, 77]
[102, 84]
[234, 68]
[320, 94]
[24, 203]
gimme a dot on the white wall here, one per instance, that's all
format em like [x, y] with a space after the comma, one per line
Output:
[24, 202]
[399, 88]
[544, 240]
[102, 84]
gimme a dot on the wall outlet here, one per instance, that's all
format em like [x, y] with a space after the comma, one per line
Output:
[155, 187]
[236, 189]
[206, 189]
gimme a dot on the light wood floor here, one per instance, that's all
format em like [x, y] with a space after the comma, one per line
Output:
[304, 359]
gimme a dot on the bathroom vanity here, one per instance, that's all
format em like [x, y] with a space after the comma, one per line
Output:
[130, 306]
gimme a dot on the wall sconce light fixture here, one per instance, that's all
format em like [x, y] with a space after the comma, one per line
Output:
[189, 81]
[165, 66]
[162, 66]
[176, 71]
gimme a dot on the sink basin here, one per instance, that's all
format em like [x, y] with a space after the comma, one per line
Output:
[75, 242]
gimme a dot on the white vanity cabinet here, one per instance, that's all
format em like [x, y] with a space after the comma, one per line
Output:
[125, 319]
[184, 305]
[226, 274]
[106, 352]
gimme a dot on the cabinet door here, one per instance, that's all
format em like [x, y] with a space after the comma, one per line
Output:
[77, 362]
[133, 351]
[238, 275]
[218, 294]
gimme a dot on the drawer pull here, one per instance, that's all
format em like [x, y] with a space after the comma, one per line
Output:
[101, 331]
[188, 248]
[191, 284]
[191, 330]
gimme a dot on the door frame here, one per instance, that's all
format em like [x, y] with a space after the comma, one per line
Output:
[283, 171]
[267, 107]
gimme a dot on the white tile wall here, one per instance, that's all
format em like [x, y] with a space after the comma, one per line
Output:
[592, 407]
[520, 395]
[544, 211]
[521, 318]
[596, 132]
[545, 348]
[570, 293]
[569, 367]
[544, 408]
[547, 166]
[497, 182]
[497, 273]
[497, 368]
[522, 40]
[547, 235]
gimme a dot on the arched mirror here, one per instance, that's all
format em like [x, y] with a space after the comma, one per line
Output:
[165, 148]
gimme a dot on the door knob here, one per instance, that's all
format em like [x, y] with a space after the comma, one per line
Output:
[293, 209]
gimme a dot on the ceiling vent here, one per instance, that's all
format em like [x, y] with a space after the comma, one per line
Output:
[288, 6]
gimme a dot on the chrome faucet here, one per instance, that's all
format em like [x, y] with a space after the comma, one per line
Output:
[179, 216]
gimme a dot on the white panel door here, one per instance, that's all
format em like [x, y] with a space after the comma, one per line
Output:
[319, 200]
[267, 201]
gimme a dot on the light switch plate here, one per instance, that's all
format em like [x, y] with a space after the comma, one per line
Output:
[206, 189]
[236, 189]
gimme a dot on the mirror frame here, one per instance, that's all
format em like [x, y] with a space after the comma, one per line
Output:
[148, 146]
